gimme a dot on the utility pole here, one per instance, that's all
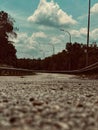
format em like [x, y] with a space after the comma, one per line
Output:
[88, 23]
[89, 5]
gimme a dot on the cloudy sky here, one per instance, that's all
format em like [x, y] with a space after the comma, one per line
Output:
[40, 21]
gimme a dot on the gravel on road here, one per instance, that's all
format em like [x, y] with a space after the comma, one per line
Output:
[48, 102]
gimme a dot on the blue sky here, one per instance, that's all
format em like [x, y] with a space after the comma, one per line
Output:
[40, 21]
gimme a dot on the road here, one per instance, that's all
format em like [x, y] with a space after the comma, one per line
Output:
[48, 102]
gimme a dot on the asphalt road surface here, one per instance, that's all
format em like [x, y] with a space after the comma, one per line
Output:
[48, 102]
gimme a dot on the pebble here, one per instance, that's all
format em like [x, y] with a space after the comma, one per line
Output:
[89, 95]
[12, 120]
[61, 125]
[38, 103]
[61, 88]
[56, 108]
[31, 99]
[5, 100]
[79, 105]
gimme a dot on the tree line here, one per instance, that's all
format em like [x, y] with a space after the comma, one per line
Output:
[73, 57]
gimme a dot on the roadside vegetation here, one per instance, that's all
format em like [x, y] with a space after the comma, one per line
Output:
[73, 57]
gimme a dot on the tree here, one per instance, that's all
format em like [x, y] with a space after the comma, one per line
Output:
[7, 50]
[75, 52]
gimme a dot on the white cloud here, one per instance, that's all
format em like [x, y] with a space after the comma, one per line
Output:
[94, 9]
[50, 14]
[24, 47]
[24, 39]
[27, 46]
[39, 35]
[22, 43]
[79, 33]
[82, 34]
[83, 31]
[94, 34]
[75, 33]
[55, 40]
[21, 37]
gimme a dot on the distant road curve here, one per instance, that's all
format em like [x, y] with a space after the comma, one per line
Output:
[18, 71]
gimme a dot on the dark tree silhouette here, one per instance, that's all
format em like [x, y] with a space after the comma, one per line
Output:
[73, 58]
[7, 50]
[75, 51]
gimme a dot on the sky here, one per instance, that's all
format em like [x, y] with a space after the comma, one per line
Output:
[45, 26]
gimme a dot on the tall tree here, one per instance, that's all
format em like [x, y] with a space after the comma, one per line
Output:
[7, 50]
